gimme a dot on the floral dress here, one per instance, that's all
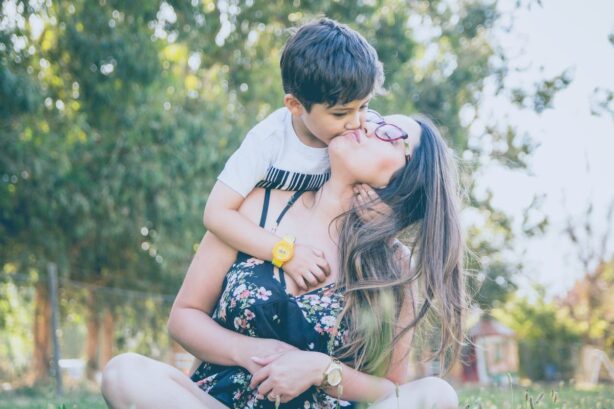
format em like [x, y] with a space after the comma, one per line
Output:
[255, 302]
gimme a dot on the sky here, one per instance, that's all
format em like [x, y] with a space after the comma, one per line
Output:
[574, 162]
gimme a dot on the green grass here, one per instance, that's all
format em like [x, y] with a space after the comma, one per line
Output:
[537, 397]
[44, 398]
[516, 397]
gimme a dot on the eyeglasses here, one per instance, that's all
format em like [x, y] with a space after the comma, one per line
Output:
[385, 131]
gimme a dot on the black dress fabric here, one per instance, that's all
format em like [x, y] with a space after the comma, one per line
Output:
[254, 302]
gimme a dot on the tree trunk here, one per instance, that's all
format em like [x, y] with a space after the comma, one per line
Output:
[91, 342]
[108, 336]
[42, 334]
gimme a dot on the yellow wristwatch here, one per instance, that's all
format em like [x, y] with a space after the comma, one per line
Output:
[283, 251]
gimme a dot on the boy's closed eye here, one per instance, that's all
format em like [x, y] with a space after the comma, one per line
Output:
[344, 113]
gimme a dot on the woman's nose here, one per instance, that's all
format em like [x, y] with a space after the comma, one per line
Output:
[369, 128]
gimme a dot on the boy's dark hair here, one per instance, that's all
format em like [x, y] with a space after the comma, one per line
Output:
[328, 62]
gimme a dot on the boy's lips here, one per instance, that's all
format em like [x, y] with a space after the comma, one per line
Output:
[353, 133]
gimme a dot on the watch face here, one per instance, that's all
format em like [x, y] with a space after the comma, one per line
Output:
[334, 377]
[283, 251]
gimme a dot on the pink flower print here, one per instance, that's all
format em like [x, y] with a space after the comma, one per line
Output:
[263, 293]
[251, 401]
[240, 323]
[239, 290]
[244, 294]
[233, 303]
[248, 315]
[253, 262]
[328, 321]
[222, 313]
[318, 328]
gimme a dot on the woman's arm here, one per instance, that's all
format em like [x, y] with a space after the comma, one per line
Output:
[359, 386]
[288, 374]
[190, 322]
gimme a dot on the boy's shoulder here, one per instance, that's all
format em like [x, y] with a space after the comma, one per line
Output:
[271, 127]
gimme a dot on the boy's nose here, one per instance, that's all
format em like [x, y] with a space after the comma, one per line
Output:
[357, 121]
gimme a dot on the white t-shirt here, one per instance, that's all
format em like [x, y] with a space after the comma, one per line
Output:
[272, 156]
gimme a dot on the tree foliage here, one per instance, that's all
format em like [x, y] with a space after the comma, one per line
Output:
[116, 117]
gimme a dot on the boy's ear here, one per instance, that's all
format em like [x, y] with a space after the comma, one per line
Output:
[293, 104]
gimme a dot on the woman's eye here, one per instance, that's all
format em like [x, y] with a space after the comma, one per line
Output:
[339, 115]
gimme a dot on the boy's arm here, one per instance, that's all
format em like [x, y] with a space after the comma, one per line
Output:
[308, 267]
[222, 217]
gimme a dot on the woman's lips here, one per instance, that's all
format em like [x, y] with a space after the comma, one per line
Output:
[353, 134]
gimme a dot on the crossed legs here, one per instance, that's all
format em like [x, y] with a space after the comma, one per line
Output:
[135, 381]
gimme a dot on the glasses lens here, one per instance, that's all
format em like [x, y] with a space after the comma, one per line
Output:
[374, 116]
[390, 133]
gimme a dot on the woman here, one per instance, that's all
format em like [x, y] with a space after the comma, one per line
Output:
[264, 343]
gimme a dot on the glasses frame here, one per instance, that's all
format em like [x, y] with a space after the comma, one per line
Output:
[381, 123]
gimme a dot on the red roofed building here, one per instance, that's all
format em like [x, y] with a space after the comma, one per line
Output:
[492, 354]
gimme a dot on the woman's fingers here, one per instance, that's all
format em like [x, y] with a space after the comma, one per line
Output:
[265, 388]
[260, 375]
[267, 359]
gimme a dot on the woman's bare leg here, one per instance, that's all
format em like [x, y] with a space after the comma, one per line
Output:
[135, 381]
[425, 393]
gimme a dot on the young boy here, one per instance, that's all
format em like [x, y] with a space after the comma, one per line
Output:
[329, 74]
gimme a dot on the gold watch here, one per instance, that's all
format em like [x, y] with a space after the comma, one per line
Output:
[283, 251]
[333, 375]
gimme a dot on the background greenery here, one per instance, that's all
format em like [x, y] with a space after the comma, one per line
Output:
[116, 117]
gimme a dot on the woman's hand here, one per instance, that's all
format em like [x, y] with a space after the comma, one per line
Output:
[261, 347]
[288, 374]
[370, 206]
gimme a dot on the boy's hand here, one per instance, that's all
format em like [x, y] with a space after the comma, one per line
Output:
[307, 267]
[370, 206]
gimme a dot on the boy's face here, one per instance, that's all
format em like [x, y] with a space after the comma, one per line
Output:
[323, 123]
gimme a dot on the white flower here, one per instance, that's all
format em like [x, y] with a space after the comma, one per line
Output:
[328, 321]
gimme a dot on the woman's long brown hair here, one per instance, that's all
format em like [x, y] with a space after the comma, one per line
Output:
[423, 198]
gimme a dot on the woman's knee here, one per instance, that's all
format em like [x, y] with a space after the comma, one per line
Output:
[442, 394]
[118, 370]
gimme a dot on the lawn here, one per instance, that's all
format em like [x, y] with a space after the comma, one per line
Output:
[539, 396]
[542, 397]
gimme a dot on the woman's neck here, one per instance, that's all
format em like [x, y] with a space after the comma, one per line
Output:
[333, 199]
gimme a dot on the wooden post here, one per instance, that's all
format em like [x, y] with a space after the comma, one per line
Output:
[55, 324]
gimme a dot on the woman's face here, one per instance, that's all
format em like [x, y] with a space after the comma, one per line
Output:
[364, 158]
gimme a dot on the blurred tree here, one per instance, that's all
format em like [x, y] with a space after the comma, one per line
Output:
[589, 302]
[603, 98]
[548, 337]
